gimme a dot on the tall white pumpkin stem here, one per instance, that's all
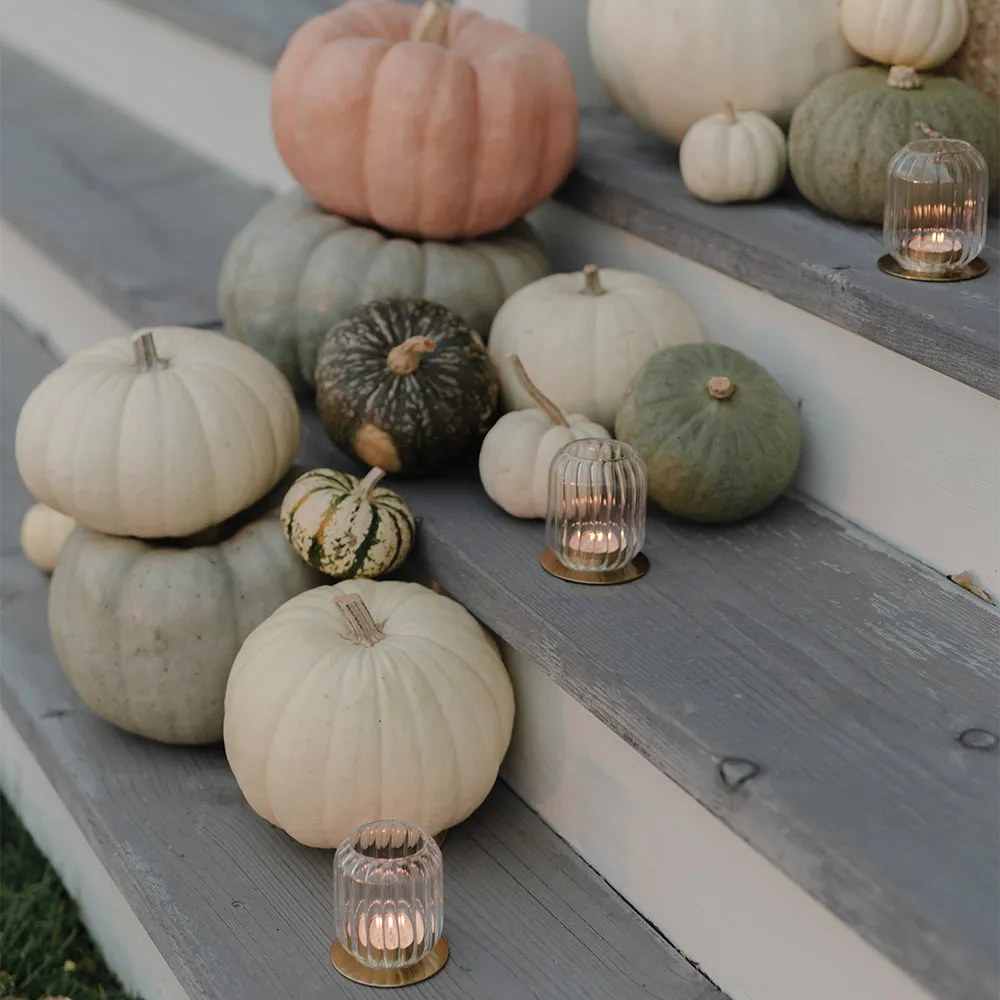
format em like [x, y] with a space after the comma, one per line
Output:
[363, 491]
[592, 280]
[729, 112]
[146, 358]
[363, 630]
[542, 401]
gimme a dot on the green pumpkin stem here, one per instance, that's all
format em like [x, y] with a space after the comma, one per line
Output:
[555, 415]
[720, 387]
[363, 629]
[931, 133]
[730, 113]
[363, 491]
[431, 24]
[904, 78]
[146, 358]
[404, 358]
[592, 281]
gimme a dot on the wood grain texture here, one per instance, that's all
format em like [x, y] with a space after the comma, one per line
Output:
[785, 247]
[240, 910]
[136, 218]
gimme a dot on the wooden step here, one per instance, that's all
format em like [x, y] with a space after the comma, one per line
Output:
[806, 684]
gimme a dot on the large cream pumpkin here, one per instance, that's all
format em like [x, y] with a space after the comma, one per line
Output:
[367, 700]
[668, 63]
[428, 123]
[584, 336]
[161, 436]
[921, 34]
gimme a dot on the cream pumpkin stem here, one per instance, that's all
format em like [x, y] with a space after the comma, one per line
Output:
[729, 112]
[555, 415]
[931, 133]
[363, 491]
[404, 358]
[720, 387]
[146, 358]
[904, 78]
[431, 24]
[592, 280]
[363, 630]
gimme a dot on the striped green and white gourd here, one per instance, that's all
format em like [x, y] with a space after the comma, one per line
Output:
[347, 527]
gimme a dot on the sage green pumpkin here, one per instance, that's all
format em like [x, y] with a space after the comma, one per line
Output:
[849, 127]
[295, 270]
[720, 439]
[405, 385]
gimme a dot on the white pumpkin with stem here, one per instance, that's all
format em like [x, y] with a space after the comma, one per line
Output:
[43, 533]
[516, 454]
[584, 336]
[365, 700]
[159, 436]
[734, 157]
[347, 527]
[921, 34]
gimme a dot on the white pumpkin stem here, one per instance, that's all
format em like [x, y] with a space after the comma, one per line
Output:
[404, 358]
[363, 491]
[364, 630]
[555, 415]
[431, 24]
[592, 280]
[146, 358]
[931, 133]
[729, 112]
[904, 78]
[720, 387]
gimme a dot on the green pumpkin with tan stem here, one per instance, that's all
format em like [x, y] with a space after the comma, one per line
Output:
[720, 439]
[846, 131]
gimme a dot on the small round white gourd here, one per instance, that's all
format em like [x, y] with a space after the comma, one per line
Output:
[43, 533]
[517, 452]
[921, 34]
[161, 435]
[585, 336]
[734, 157]
[365, 700]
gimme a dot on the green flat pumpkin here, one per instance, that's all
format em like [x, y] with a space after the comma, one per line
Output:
[846, 131]
[720, 439]
[405, 385]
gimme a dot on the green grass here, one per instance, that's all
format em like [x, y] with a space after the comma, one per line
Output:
[44, 949]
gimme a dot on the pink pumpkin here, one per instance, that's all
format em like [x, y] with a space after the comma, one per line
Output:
[424, 121]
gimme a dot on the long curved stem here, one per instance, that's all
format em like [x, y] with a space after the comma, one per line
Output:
[555, 415]
[363, 491]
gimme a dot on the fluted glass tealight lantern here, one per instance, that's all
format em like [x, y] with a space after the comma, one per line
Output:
[389, 902]
[596, 513]
[936, 203]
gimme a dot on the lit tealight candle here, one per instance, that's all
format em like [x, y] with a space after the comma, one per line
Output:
[935, 243]
[391, 932]
[593, 542]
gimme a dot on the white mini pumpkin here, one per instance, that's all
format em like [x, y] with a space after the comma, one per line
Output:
[161, 436]
[43, 533]
[347, 527]
[734, 157]
[366, 700]
[921, 34]
[517, 452]
[584, 336]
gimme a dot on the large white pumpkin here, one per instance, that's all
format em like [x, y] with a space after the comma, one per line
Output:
[584, 336]
[921, 34]
[367, 700]
[668, 63]
[159, 436]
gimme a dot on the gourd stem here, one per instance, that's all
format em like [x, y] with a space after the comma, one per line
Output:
[363, 491]
[364, 630]
[555, 415]
[592, 280]
[404, 358]
[730, 112]
[146, 358]
[904, 78]
[931, 133]
[720, 387]
[431, 24]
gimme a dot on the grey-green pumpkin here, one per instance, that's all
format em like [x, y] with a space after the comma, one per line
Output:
[405, 385]
[720, 439]
[295, 270]
[347, 527]
[849, 127]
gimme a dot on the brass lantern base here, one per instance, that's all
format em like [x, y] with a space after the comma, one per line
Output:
[350, 968]
[974, 269]
[637, 568]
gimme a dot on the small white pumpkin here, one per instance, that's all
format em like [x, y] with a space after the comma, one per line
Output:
[584, 337]
[921, 34]
[43, 533]
[734, 157]
[517, 452]
[365, 700]
[345, 526]
[161, 436]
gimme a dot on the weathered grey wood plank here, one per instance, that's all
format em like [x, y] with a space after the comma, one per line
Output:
[235, 906]
[114, 202]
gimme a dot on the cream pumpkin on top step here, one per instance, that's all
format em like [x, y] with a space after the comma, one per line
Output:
[921, 34]
[365, 700]
[43, 533]
[161, 436]
[583, 337]
[517, 452]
